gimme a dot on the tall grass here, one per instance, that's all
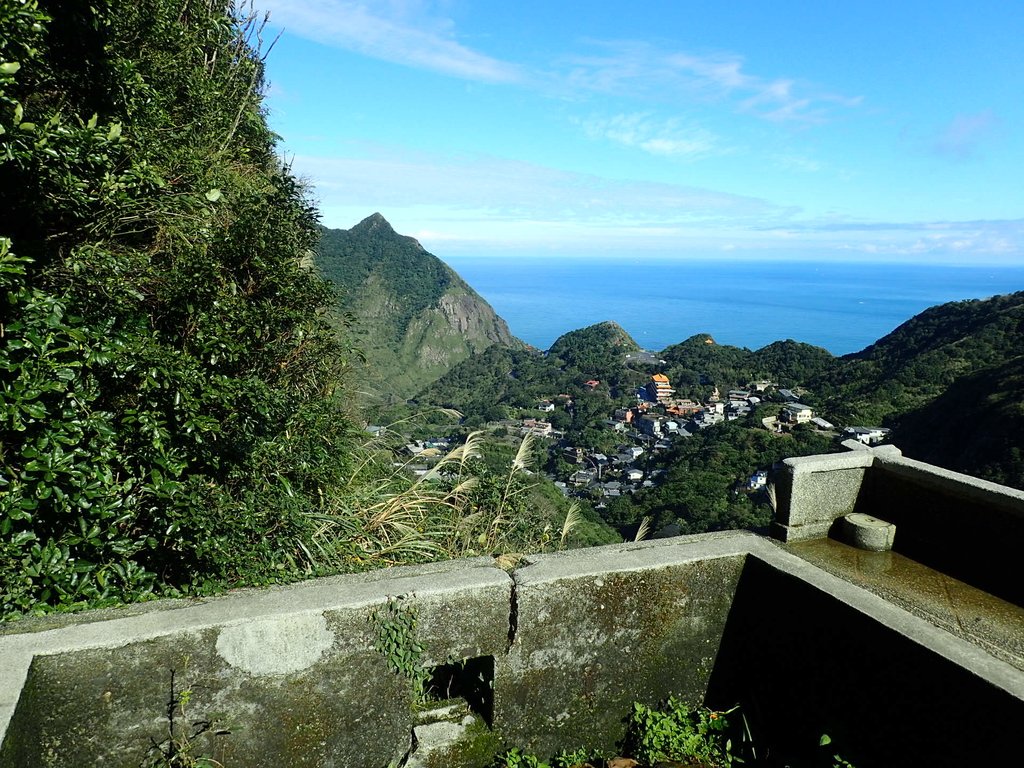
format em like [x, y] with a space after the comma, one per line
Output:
[386, 514]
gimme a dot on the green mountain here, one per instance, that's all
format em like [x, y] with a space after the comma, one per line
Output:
[923, 358]
[698, 365]
[975, 426]
[412, 316]
[594, 347]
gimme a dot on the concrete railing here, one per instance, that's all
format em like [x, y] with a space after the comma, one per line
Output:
[550, 656]
[298, 675]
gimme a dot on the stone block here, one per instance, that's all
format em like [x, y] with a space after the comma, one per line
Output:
[868, 532]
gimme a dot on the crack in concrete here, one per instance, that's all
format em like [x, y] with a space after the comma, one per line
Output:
[513, 614]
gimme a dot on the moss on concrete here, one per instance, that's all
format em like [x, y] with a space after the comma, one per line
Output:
[589, 645]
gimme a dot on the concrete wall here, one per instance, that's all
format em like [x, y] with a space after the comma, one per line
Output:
[292, 673]
[597, 632]
[968, 528]
[291, 676]
[558, 651]
[805, 654]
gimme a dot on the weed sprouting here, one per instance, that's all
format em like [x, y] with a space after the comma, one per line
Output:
[178, 748]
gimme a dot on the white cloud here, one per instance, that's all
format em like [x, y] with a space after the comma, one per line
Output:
[407, 33]
[792, 162]
[415, 33]
[639, 68]
[994, 239]
[483, 204]
[377, 178]
[670, 138]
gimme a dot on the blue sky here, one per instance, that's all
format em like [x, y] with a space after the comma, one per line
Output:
[681, 129]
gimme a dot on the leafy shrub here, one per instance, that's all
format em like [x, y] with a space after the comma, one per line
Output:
[678, 733]
[169, 388]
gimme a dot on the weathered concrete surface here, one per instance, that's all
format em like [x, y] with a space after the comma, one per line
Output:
[599, 629]
[571, 640]
[814, 491]
[981, 618]
[292, 673]
[291, 676]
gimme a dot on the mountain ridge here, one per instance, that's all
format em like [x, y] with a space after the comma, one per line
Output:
[413, 317]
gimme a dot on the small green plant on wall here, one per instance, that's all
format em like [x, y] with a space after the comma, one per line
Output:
[395, 622]
[671, 735]
[178, 748]
[837, 760]
[515, 758]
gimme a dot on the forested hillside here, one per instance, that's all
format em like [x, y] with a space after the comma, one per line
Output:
[975, 426]
[412, 316]
[698, 365]
[923, 357]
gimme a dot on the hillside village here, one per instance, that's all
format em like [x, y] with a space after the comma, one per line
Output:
[651, 425]
[659, 418]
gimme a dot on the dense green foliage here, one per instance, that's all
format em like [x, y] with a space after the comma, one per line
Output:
[542, 507]
[175, 414]
[167, 388]
[677, 732]
[948, 382]
[789, 363]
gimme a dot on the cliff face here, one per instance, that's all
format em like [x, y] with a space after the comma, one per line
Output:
[413, 316]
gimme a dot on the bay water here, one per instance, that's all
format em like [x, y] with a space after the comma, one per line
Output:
[841, 306]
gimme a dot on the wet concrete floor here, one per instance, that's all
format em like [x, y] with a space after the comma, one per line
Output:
[992, 623]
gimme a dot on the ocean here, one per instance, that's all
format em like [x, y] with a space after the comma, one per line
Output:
[842, 306]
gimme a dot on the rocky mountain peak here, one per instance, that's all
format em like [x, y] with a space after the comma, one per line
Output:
[374, 224]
